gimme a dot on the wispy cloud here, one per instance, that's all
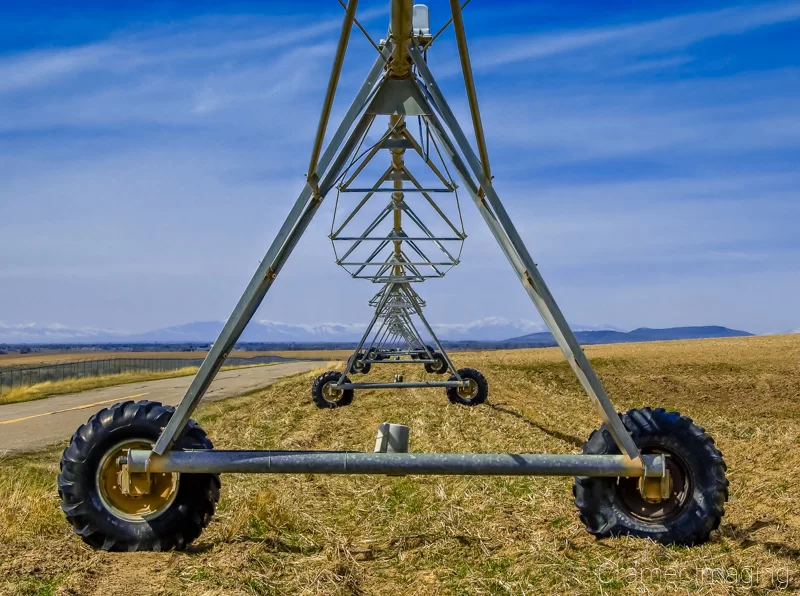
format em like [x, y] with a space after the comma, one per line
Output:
[641, 38]
[738, 113]
[36, 68]
[144, 174]
[200, 41]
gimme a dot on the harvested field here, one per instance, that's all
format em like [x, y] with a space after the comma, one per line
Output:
[313, 534]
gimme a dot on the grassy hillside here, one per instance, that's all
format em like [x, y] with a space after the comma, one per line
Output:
[429, 535]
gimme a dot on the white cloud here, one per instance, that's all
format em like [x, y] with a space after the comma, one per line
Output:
[42, 67]
[142, 177]
[202, 40]
[643, 38]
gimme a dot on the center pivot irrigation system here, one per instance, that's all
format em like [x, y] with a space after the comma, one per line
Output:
[144, 476]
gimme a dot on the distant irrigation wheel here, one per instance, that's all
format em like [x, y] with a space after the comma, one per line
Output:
[421, 354]
[475, 392]
[177, 507]
[439, 367]
[361, 367]
[375, 354]
[326, 395]
[698, 487]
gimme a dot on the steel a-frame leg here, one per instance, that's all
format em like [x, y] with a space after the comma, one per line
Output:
[504, 231]
[292, 229]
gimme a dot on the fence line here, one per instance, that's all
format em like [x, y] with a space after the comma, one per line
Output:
[24, 376]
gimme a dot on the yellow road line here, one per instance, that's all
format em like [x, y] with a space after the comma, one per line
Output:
[97, 403]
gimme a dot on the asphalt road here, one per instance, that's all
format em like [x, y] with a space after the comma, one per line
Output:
[37, 424]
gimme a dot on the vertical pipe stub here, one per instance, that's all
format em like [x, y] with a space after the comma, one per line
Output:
[392, 438]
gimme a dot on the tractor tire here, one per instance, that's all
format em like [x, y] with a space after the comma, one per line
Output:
[439, 367]
[361, 367]
[325, 397]
[614, 506]
[171, 517]
[475, 394]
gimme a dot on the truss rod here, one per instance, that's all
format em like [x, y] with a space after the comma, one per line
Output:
[469, 83]
[333, 83]
[361, 28]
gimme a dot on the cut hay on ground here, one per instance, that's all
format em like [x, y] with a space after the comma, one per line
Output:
[312, 534]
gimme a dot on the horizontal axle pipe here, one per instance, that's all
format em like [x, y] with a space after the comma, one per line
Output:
[405, 189]
[418, 361]
[406, 263]
[485, 464]
[414, 239]
[409, 385]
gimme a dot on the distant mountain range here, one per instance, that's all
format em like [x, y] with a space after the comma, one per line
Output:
[493, 329]
[609, 336]
[489, 329]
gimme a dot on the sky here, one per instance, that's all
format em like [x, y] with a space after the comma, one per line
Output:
[648, 152]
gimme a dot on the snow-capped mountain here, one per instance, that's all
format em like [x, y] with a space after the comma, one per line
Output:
[488, 329]
[499, 329]
[257, 331]
[35, 333]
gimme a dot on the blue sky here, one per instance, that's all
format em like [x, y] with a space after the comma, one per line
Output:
[648, 151]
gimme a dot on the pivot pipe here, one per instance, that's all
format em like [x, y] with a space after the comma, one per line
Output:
[402, 15]
[329, 462]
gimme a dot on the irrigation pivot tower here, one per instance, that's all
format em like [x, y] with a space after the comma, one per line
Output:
[141, 476]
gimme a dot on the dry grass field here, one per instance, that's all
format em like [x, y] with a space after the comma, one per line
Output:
[311, 534]
[42, 390]
[48, 357]
[53, 357]
[50, 388]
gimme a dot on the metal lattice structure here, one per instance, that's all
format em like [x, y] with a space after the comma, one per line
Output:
[400, 83]
[393, 337]
[647, 473]
[398, 244]
[415, 234]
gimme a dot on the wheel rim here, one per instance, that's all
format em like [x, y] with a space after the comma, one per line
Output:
[470, 391]
[163, 487]
[331, 393]
[681, 488]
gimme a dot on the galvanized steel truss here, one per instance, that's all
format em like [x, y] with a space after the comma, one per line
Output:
[400, 84]
[392, 337]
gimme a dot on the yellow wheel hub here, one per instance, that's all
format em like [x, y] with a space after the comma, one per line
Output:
[469, 391]
[161, 489]
[331, 393]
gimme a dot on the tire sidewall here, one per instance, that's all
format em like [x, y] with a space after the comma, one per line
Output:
[602, 509]
[483, 388]
[695, 466]
[180, 523]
